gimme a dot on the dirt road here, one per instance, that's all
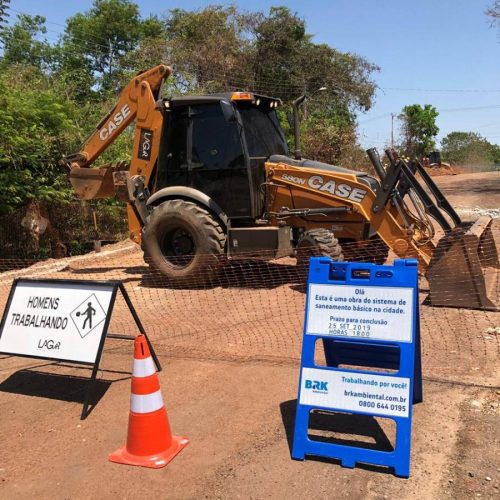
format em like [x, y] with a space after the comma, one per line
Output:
[230, 357]
[469, 191]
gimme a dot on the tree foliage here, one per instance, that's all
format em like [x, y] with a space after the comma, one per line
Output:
[419, 129]
[36, 127]
[220, 48]
[469, 148]
[53, 94]
[96, 43]
[494, 12]
[22, 46]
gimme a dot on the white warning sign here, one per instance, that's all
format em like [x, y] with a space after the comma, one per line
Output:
[60, 320]
[367, 312]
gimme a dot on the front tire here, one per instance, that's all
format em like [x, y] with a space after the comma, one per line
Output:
[183, 242]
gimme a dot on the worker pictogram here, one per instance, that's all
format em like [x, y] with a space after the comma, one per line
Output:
[88, 315]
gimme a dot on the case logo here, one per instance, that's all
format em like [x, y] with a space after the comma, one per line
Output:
[116, 120]
[341, 190]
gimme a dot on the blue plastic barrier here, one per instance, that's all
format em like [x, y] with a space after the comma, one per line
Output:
[366, 316]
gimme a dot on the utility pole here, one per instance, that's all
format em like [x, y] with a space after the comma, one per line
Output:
[110, 56]
[392, 130]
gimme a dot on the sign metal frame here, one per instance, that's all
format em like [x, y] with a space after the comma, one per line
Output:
[116, 286]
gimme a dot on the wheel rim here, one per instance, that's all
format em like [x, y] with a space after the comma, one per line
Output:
[178, 246]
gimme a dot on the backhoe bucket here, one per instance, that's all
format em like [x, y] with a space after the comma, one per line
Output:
[93, 183]
[463, 271]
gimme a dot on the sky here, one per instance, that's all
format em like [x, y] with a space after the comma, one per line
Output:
[439, 52]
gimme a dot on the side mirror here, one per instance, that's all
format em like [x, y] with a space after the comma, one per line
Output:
[228, 111]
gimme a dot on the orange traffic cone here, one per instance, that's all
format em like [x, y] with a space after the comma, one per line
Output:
[149, 442]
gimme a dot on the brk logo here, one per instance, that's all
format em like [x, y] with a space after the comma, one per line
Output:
[316, 385]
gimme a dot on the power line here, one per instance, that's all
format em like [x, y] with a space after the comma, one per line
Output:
[399, 89]
[92, 44]
[62, 26]
[385, 115]
[279, 45]
[402, 89]
[492, 124]
[238, 80]
[443, 110]
[271, 84]
[473, 108]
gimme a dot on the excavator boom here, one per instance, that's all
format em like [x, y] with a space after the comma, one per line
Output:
[137, 101]
[141, 88]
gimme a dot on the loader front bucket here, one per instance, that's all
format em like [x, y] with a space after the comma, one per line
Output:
[93, 183]
[463, 270]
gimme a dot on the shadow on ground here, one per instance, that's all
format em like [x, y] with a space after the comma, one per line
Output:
[346, 429]
[248, 274]
[68, 388]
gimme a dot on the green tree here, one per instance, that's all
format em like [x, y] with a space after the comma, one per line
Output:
[210, 49]
[52, 96]
[288, 63]
[496, 155]
[98, 43]
[21, 43]
[36, 127]
[418, 129]
[468, 148]
[220, 48]
[152, 48]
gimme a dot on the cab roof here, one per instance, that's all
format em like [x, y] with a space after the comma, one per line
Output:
[222, 96]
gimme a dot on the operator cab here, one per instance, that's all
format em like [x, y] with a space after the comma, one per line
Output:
[218, 144]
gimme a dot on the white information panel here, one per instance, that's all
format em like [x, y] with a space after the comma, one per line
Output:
[56, 320]
[359, 392]
[369, 312]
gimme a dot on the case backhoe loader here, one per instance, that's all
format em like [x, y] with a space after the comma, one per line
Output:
[211, 176]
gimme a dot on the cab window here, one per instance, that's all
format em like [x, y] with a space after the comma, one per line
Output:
[216, 143]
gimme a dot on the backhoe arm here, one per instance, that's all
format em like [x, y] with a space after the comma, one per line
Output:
[129, 182]
[137, 100]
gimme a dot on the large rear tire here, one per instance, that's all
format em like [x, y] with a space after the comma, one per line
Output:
[183, 242]
[317, 243]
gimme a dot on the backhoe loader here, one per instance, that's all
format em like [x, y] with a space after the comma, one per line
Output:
[210, 177]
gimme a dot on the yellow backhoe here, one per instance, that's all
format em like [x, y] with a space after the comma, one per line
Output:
[211, 175]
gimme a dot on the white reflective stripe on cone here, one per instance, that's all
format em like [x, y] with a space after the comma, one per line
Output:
[146, 403]
[143, 367]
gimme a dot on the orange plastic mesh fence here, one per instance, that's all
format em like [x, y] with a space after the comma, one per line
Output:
[44, 230]
[253, 309]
